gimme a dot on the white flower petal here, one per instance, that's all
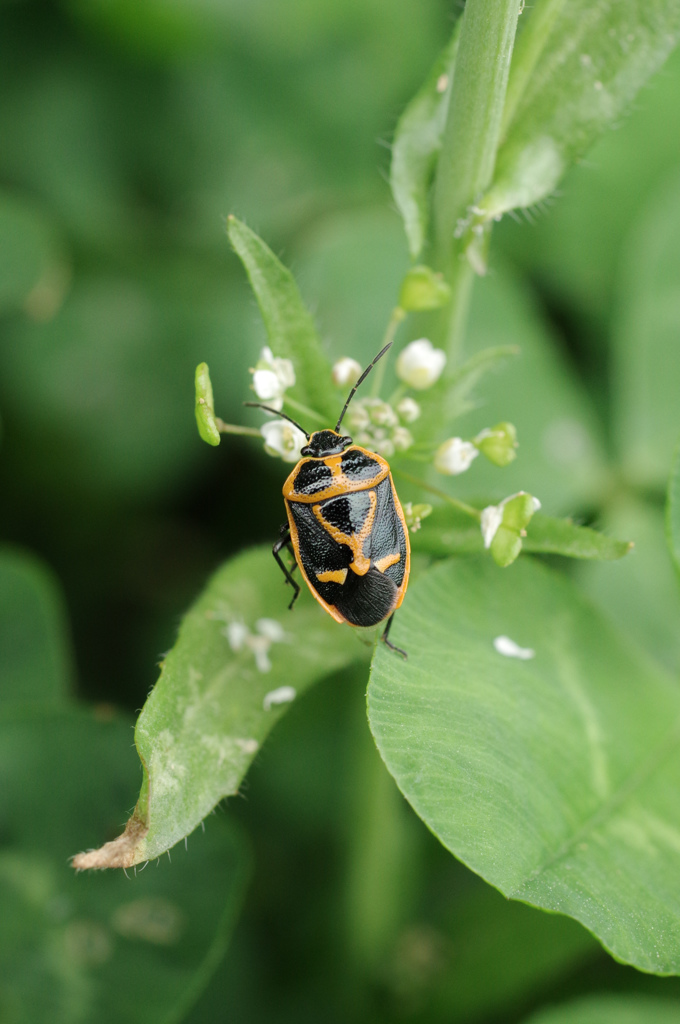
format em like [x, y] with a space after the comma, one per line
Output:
[492, 517]
[237, 634]
[272, 629]
[504, 645]
[282, 439]
[266, 385]
[283, 695]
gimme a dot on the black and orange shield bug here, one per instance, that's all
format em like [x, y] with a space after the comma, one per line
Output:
[346, 528]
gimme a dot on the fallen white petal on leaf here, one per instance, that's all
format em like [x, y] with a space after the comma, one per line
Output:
[283, 695]
[504, 645]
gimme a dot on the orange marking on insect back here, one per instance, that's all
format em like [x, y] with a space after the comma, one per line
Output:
[355, 541]
[332, 576]
[340, 484]
[387, 561]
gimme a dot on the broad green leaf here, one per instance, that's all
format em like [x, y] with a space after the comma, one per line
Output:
[576, 68]
[555, 773]
[99, 947]
[630, 1008]
[35, 660]
[28, 252]
[640, 593]
[290, 328]
[416, 146]
[673, 511]
[646, 367]
[221, 689]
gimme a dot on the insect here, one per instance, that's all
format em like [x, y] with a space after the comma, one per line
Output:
[346, 528]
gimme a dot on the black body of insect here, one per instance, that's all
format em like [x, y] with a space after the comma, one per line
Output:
[346, 528]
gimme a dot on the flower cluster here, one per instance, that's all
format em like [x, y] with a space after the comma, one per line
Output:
[377, 425]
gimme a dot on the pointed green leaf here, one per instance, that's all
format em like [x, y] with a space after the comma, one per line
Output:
[102, 947]
[552, 536]
[553, 773]
[630, 1008]
[35, 660]
[221, 689]
[416, 146]
[290, 328]
[576, 69]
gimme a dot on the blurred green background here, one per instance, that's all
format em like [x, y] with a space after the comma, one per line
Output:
[129, 129]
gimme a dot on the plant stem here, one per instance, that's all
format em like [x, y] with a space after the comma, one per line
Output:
[466, 163]
[230, 428]
[474, 513]
[396, 317]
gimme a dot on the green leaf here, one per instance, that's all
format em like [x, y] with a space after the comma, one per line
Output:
[639, 593]
[673, 511]
[290, 328]
[576, 68]
[502, 952]
[560, 457]
[213, 706]
[28, 253]
[630, 1008]
[646, 368]
[417, 141]
[101, 946]
[563, 537]
[555, 775]
[35, 660]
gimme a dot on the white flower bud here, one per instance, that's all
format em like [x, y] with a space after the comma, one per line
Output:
[346, 371]
[282, 439]
[402, 439]
[408, 410]
[357, 416]
[492, 517]
[420, 365]
[454, 456]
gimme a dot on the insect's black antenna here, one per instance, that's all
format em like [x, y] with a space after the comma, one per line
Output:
[268, 408]
[361, 380]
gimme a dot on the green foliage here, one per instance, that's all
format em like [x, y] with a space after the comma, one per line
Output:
[542, 770]
[129, 131]
[576, 68]
[76, 949]
[290, 328]
[611, 1010]
[35, 660]
[214, 705]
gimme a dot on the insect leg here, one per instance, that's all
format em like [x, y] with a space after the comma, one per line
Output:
[388, 642]
[284, 541]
